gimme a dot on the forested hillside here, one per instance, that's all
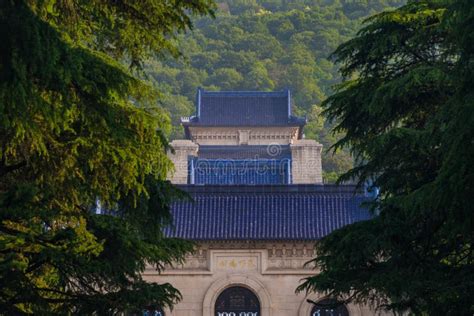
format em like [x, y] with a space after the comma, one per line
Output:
[266, 45]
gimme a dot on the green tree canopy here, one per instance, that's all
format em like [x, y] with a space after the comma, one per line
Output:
[407, 109]
[76, 128]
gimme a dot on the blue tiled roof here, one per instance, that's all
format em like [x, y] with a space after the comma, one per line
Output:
[229, 165]
[244, 108]
[244, 152]
[286, 212]
[239, 172]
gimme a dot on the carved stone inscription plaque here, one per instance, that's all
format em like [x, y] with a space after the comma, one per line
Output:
[236, 261]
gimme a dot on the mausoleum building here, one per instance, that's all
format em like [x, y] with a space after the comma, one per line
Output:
[259, 207]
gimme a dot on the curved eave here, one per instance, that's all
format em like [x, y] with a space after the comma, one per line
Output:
[266, 212]
[300, 124]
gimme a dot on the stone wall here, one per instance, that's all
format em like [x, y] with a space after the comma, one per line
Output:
[272, 270]
[305, 166]
[182, 150]
[306, 162]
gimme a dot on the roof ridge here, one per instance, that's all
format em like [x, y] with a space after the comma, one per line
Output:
[245, 93]
[348, 189]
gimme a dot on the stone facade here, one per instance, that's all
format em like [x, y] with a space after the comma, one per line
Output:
[271, 270]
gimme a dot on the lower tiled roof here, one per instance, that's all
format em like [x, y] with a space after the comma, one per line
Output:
[245, 152]
[240, 172]
[266, 212]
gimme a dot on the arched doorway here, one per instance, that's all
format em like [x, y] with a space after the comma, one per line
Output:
[237, 301]
[329, 307]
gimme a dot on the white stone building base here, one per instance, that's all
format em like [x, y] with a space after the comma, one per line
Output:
[272, 271]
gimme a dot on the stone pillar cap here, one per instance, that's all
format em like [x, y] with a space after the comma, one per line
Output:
[183, 143]
[306, 143]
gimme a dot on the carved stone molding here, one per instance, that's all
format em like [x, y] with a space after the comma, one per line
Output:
[236, 257]
[251, 135]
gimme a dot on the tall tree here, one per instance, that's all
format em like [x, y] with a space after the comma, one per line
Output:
[76, 128]
[407, 109]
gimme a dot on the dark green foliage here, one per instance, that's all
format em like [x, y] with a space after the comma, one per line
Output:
[407, 109]
[75, 128]
[266, 45]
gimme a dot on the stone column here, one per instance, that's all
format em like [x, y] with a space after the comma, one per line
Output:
[306, 162]
[182, 150]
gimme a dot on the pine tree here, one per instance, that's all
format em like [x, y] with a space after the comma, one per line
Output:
[407, 109]
[76, 127]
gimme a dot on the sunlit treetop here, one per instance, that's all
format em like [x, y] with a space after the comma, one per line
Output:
[125, 28]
